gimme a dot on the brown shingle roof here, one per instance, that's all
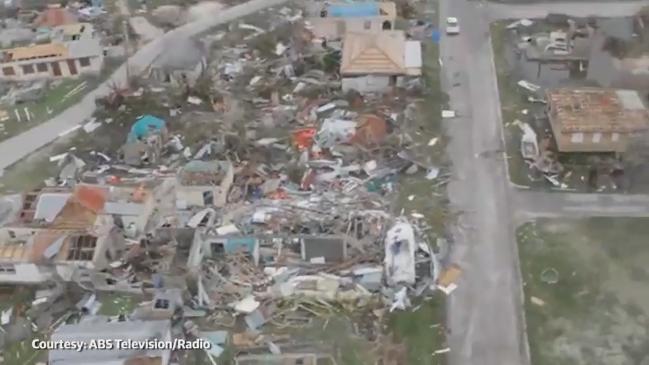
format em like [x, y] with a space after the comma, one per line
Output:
[597, 110]
[37, 51]
[374, 53]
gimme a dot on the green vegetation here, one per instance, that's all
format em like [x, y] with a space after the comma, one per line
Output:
[596, 313]
[117, 303]
[511, 102]
[422, 331]
[29, 173]
[60, 95]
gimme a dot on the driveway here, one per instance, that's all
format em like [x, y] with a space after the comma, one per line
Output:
[18, 147]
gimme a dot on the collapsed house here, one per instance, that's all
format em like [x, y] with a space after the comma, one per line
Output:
[204, 183]
[99, 329]
[252, 231]
[377, 62]
[181, 62]
[59, 234]
[334, 20]
[595, 119]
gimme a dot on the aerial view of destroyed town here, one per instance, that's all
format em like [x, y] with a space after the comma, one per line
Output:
[324, 182]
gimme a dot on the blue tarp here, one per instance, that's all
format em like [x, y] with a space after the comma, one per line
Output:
[435, 35]
[145, 125]
[353, 10]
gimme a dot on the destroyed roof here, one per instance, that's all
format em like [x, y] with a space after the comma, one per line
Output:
[50, 205]
[199, 172]
[181, 54]
[72, 29]
[35, 51]
[598, 110]
[82, 209]
[100, 329]
[90, 197]
[385, 53]
[50, 246]
[54, 17]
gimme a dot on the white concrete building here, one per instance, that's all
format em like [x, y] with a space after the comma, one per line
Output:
[75, 49]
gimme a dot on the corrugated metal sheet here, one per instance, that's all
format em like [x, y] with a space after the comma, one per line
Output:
[413, 54]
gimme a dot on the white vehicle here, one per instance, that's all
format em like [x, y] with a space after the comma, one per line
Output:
[452, 26]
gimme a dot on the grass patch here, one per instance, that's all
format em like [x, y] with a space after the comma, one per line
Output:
[113, 304]
[597, 311]
[422, 331]
[61, 95]
[511, 102]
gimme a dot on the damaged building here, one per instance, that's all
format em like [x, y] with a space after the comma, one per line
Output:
[57, 234]
[332, 21]
[204, 183]
[595, 119]
[99, 328]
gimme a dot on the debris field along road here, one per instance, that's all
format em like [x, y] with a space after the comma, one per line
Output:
[486, 311]
[16, 148]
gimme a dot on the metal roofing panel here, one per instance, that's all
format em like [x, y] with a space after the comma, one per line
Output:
[49, 205]
[413, 54]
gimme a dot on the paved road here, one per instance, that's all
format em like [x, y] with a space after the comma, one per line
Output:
[18, 147]
[485, 313]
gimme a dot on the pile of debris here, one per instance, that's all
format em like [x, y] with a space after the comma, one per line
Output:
[284, 212]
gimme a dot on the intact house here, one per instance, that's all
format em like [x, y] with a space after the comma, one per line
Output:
[181, 62]
[58, 234]
[75, 49]
[99, 328]
[595, 119]
[376, 62]
[204, 183]
[333, 20]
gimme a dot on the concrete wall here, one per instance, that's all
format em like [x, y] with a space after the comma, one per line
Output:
[93, 68]
[366, 83]
[27, 273]
[18, 233]
[336, 27]
[192, 196]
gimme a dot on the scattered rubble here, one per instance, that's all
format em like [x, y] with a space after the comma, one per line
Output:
[263, 199]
